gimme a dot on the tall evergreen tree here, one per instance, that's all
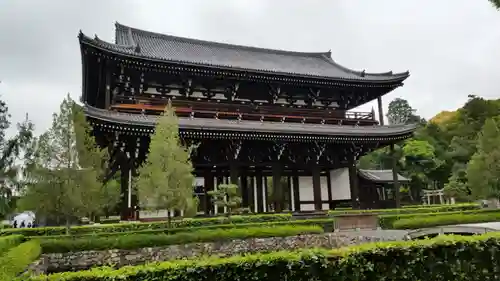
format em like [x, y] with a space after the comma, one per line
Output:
[483, 170]
[166, 179]
[66, 169]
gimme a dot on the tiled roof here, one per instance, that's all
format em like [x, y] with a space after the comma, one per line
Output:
[384, 176]
[252, 126]
[149, 45]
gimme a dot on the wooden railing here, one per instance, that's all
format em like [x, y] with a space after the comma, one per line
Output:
[262, 113]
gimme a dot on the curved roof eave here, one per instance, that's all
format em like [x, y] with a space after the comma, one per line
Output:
[126, 51]
[252, 126]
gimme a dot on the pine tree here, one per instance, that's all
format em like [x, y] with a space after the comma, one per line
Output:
[66, 169]
[166, 178]
[483, 170]
[226, 195]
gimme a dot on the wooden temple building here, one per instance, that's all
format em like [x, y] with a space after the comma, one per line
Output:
[256, 114]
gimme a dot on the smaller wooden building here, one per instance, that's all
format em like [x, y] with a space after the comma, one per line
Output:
[377, 188]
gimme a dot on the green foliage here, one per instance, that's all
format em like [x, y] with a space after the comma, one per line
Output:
[483, 170]
[444, 258]
[64, 175]
[148, 240]
[326, 223]
[495, 3]
[226, 195]
[16, 259]
[123, 227]
[400, 112]
[165, 180]
[445, 219]
[437, 208]
[10, 241]
[387, 221]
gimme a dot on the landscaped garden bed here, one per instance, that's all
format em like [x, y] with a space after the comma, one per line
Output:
[443, 258]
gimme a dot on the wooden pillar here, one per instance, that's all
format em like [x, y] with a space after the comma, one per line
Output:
[289, 193]
[316, 178]
[107, 97]
[244, 191]
[296, 192]
[260, 191]
[380, 111]
[266, 195]
[233, 174]
[277, 188]
[331, 205]
[353, 182]
[219, 181]
[208, 186]
[395, 180]
[251, 194]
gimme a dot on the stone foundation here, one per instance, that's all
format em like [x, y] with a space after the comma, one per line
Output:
[57, 262]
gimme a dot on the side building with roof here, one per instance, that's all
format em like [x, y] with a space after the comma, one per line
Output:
[262, 118]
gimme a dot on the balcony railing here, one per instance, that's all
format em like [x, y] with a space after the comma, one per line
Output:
[269, 113]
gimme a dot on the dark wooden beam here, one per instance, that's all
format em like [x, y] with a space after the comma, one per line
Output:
[260, 191]
[395, 180]
[277, 188]
[330, 195]
[296, 191]
[353, 181]
[208, 186]
[380, 111]
[316, 176]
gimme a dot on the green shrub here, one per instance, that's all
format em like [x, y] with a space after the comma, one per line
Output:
[387, 221]
[448, 219]
[9, 242]
[135, 226]
[153, 240]
[439, 208]
[16, 259]
[441, 259]
[327, 225]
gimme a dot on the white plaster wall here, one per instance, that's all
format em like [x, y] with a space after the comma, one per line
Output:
[164, 213]
[341, 188]
[307, 194]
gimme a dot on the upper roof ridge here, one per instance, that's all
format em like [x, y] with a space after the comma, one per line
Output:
[124, 28]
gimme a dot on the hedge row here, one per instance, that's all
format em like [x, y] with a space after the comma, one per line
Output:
[326, 224]
[387, 221]
[154, 240]
[440, 259]
[10, 241]
[135, 226]
[448, 219]
[17, 259]
[127, 227]
[418, 210]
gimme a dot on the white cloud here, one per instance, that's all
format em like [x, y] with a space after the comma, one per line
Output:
[449, 46]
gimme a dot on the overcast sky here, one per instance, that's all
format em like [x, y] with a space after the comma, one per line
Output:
[450, 47]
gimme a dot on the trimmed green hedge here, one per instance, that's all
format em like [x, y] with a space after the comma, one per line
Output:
[438, 209]
[197, 222]
[448, 219]
[387, 221]
[10, 241]
[17, 259]
[135, 226]
[327, 225]
[440, 259]
[154, 240]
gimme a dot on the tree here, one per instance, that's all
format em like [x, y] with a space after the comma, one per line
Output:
[226, 195]
[10, 151]
[496, 3]
[483, 170]
[64, 176]
[166, 180]
[400, 112]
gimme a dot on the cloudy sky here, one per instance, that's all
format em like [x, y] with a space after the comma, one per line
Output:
[451, 47]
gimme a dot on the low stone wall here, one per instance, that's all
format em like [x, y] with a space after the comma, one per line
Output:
[57, 262]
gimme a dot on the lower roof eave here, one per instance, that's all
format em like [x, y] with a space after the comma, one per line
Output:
[200, 126]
